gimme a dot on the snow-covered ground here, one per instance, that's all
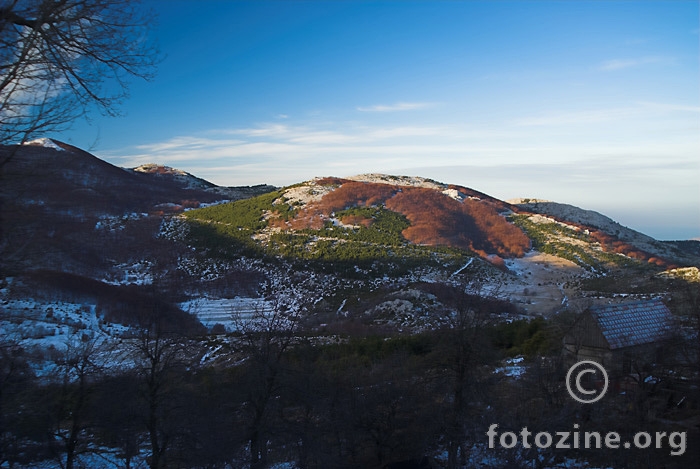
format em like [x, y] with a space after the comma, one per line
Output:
[512, 367]
[50, 322]
[117, 222]
[132, 273]
[469, 262]
[229, 312]
[46, 330]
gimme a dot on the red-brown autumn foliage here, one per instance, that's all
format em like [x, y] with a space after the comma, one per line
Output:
[435, 218]
[190, 203]
[440, 220]
[356, 220]
[611, 243]
[499, 205]
[354, 193]
[497, 261]
[331, 181]
[350, 194]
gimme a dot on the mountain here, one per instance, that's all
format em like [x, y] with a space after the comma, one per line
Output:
[682, 252]
[51, 173]
[429, 213]
[57, 199]
[175, 175]
[408, 230]
[66, 214]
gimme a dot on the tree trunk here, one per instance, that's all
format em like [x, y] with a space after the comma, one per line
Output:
[155, 446]
[258, 450]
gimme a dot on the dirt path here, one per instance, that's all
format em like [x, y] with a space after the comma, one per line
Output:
[539, 282]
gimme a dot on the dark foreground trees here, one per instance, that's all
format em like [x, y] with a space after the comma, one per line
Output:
[58, 58]
[275, 394]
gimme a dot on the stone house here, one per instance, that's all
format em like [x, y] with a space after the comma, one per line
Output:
[622, 337]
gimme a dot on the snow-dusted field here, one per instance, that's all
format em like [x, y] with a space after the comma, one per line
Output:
[229, 312]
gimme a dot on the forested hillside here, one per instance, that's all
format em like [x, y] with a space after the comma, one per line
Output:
[363, 221]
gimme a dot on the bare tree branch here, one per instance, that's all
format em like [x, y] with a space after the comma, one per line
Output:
[58, 59]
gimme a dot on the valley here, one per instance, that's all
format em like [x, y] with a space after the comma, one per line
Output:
[338, 310]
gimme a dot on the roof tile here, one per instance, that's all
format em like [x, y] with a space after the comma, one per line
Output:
[630, 324]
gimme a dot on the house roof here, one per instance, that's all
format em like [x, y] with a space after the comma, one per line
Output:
[630, 324]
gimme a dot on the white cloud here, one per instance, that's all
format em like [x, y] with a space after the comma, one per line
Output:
[294, 134]
[409, 131]
[578, 117]
[620, 64]
[574, 161]
[266, 130]
[188, 143]
[395, 107]
[351, 133]
[670, 107]
[640, 110]
[285, 153]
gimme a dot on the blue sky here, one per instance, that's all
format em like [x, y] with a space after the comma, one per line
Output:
[595, 104]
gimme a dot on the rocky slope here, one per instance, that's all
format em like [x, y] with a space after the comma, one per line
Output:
[674, 250]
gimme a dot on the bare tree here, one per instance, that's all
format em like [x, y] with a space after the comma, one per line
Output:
[464, 349]
[16, 377]
[60, 57]
[160, 360]
[80, 367]
[265, 337]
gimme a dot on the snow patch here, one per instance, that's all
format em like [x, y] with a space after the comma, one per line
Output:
[513, 368]
[46, 143]
[133, 273]
[469, 262]
[159, 169]
[454, 194]
[230, 312]
[117, 222]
